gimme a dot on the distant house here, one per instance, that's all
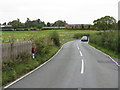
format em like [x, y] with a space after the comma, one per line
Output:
[79, 26]
[71, 26]
[52, 28]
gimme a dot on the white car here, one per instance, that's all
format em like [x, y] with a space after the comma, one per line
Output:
[84, 38]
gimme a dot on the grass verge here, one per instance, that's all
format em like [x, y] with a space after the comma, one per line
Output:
[107, 51]
[13, 70]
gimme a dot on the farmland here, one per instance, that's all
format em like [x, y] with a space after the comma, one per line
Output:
[100, 38]
[17, 36]
[64, 36]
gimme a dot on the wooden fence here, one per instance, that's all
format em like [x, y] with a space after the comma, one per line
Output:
[11, 50]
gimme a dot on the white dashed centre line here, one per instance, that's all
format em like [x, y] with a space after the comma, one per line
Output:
[82, 68]
[80, 53]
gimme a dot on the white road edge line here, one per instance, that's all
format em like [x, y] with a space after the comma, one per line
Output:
[82, 67]
[32, 70]
[106, 55]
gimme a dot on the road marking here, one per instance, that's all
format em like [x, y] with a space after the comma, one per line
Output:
[32, 70]
[106, 55]
[80, 53]
[79, 49]
[82, 67]
[77, 46]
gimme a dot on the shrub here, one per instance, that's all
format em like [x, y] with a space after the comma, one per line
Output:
[79, 35]
[9, 64]
[55, 38]
[109, 40]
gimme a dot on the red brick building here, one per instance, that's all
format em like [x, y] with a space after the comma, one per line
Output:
[79, 26]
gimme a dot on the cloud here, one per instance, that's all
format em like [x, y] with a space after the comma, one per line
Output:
[73, 11]
[119, 10]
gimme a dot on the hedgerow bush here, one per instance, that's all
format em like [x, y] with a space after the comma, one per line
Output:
[45, 47]
[21, 58]
[55, 38]
[109, 40]
[79, 35]
[42, 47]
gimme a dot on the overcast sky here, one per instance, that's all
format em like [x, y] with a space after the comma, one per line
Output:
[73, 11]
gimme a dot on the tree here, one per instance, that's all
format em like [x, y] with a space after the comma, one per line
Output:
[28, 23]
[4, 23]
[34, 23]
[60, 23]
[48, 24]
[15, 23]
[105, 23]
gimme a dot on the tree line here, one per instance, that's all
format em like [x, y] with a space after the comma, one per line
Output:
[34, 24]
[103, 23]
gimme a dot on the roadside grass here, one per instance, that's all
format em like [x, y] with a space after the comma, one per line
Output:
[16, 69]
[107, 42]
[107, 51]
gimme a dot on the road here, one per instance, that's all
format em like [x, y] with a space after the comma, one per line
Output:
[77, 65]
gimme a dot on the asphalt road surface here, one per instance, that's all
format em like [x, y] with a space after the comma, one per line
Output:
[77, 65]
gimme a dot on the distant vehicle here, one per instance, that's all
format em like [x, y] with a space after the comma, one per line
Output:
[84, 38]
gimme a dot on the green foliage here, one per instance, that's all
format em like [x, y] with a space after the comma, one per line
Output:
[48, 24]
[55, 38]
[13, 69]
[60, 23]
[16, 24]
[105, 23]
[107, 51]
[79, 35]
[108, 40]
[42, 46]
[21, 58]
[35, 23]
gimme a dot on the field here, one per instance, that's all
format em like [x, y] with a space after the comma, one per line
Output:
[17, 36]
[107, 40]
